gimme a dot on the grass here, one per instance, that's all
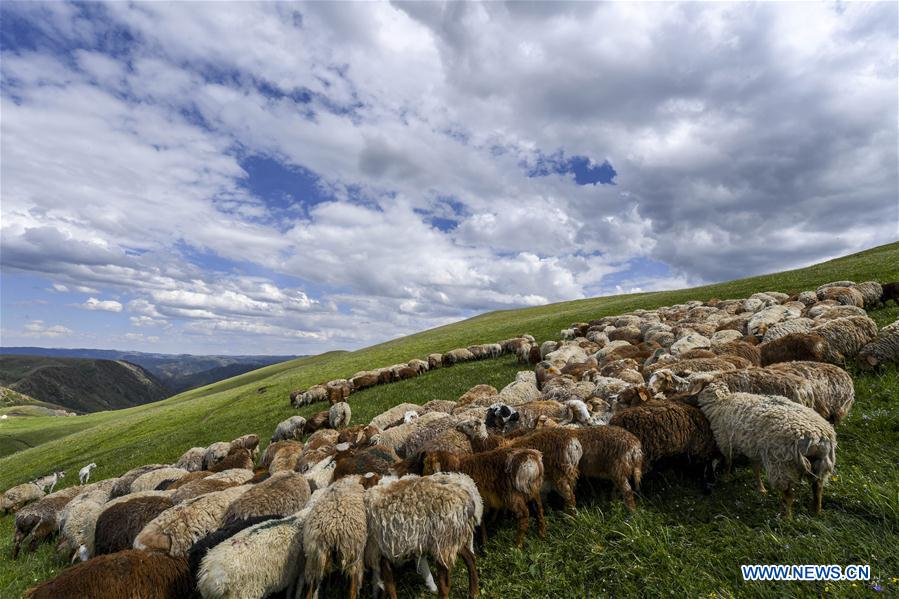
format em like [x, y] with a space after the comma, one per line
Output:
[679, 543]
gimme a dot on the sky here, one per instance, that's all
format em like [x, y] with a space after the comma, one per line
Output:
[293, 178]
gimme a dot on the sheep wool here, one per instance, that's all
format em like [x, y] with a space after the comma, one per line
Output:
[831, 387]
[179, 527]
[791, 441]
[192, 459]
[291, 428]
[283, 493]
[150, 480]
[394, 415]
[796, 325]
[846, 337]
[19, 496]
[335, 533]
[339, 415]
[883, 349]
[256, 562]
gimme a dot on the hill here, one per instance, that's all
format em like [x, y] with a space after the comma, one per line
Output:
[13, 403]
[80, 385]
[678, 543]
[177, 372]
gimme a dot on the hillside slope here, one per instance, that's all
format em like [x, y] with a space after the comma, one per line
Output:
[679, 543]
[81, 385]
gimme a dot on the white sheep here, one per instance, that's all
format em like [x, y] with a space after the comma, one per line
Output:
[791, 441]
[339, 415]
[50, 481]
[84, 474]
[291, 428]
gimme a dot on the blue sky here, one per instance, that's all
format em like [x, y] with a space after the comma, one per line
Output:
[295, 178]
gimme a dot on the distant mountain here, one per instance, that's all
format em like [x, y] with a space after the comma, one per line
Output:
[13, 403]
[80, 385]
[178, 372]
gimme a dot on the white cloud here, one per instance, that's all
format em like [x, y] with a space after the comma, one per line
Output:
[39, 329]
[93, 303]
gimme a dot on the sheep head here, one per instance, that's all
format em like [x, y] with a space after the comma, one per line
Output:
[473, 429]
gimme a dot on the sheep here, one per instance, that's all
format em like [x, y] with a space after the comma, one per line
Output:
[884, 348]
[683, 367]
[364, 379]
[791, 441]
[376, 459]
[394, 415]
[559, 447]
[846, 337]
[335, 533]
[506, 418]
[890, 292]
[317, 421]
[435, 361]
[457, 355]
[47, 483]
[671, 429]
[202, 487]
[274, 448]
[506, 478]
[359, 434]
[834, 284]
[313, 394]
[564, 388]
[423, 516]
[545, 372]
[763, 381]
[796, 325]
[79, 516]
[84, 474]
[320, 474]
[848, 296]
[40, 519]
[19, 496]
[198, 550]
[258, 561]
[192, 459]
[440, 435]
[395, 438]
[215, 453]
[123, 484]
[761, 321]
[176, 529]
[793, 346]
[631, 334]
[122, 519]
[291, 428]
[517, 393]
[479, 395]
[828, 312]
[237, 458]
[150, 480]
[741, 349]
[439, 405]
[133, 574]
[832, 387]
[421, 366]
[249, 442]
[338, 390]
[280, 495]
[726, 336]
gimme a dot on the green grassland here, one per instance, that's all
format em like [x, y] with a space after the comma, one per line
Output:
[679, 543]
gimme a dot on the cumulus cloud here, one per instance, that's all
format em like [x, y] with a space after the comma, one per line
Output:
[448, 143]
[93, 303]
[40, 329]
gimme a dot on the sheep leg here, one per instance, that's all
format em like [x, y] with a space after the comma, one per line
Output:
[19, 537]
[566, 490]
[541, 520]
[43, 530]
[387, 577]
[443, 581]
[354, 585]
[520, 509]
[471, 564]
[627, 493]
[757, 468]
[788, 502]
[483, 528]
[817, 495]
[425, 572]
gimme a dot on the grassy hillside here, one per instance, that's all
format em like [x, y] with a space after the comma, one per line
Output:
[81, 385]
[679, 543]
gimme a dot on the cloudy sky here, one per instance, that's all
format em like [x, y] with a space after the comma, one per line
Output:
[293, 178]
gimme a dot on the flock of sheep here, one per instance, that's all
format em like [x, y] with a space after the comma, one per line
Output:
[690, 385]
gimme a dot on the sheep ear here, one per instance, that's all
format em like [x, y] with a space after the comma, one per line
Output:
[514, 417]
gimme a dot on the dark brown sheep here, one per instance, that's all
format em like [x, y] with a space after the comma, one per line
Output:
[238, 457]
[187, 478]
[134, 574]
[809, 347]
[376, 458]
[890, 292]
[507, 478]
[671, 429]
[119, 524]
[315, 422]
[627, 351]
[338, 390]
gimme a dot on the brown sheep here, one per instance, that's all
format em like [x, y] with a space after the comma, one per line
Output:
[747, 351]
[364, 380]
[40, 520]
[238, 457]
[809, 347]
[507, 478]
[119, 524]
[612, 453]
[272, 450]
[559, 447]
[187, 478]
[671, 429]
[316, 421]
[359, 434]
[578, 369]
[201, 487]
[338, 390]
[132, 573]
[848, 296]
[627, 351]
[476, 395]
[376, 458]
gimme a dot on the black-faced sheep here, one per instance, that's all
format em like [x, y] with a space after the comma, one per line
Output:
[791, 441]
[506, 478]
[133, 574]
